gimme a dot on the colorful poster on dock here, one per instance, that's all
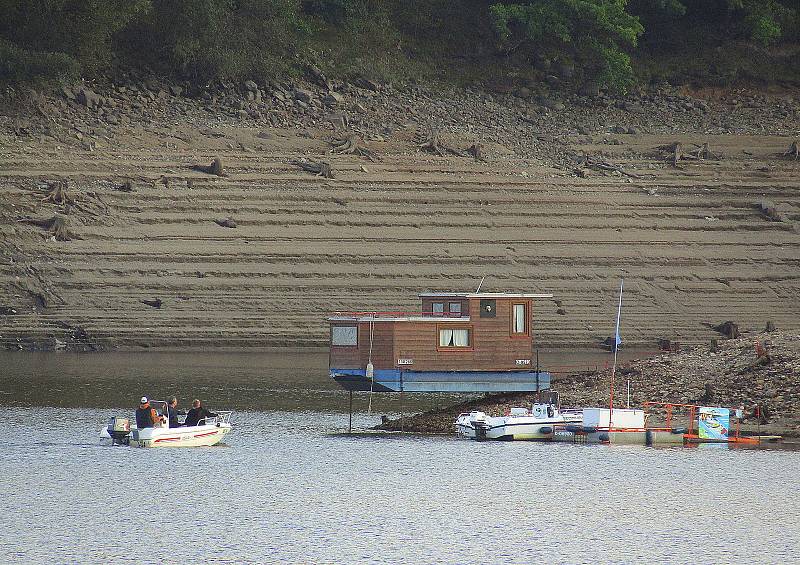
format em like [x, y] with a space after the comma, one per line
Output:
[713, 423]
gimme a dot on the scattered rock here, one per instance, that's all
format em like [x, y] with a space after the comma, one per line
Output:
[155, 303]
[333, 98]
[226, 223]
[305, 96]
[367, 84]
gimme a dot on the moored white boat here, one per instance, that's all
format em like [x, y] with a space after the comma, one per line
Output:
[540, 423]
[210, 431]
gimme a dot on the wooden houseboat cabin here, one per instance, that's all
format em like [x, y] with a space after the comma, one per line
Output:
[458, 342]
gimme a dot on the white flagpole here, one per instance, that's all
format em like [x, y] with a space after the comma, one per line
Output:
[616, 348]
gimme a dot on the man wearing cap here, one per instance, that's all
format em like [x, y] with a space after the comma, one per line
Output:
[146, 415]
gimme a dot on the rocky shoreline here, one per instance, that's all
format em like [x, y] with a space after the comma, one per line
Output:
[733, 375]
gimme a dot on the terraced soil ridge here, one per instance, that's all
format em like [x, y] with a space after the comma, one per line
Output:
[152, 264]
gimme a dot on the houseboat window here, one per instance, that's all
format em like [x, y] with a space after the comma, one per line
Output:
[488, 308]
[455, 308]
[344, 335]
[438, 307]
[454, 338]
[520, 321]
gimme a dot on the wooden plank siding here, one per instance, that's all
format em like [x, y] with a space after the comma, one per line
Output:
[344, 357]
[492, 345]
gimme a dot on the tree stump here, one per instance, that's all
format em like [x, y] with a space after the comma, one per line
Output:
[215, 168]
[126, 186]
[348, 145]
[793, 152]
[57, 225]
[433, 144]
[476, 150]
[58, 194]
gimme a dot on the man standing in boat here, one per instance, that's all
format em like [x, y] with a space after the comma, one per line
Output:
[146, 415]
[173, 412]
[197, 414]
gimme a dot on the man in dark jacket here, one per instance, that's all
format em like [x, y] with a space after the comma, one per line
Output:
[146, 415]
[173, 412]
[197, 414]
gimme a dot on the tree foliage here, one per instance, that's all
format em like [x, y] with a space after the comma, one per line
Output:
[593, 32]
[205, 40]
[81, 29]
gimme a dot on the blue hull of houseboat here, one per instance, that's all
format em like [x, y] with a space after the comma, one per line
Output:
[396, 380]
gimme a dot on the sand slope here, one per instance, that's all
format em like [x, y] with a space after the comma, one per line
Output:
[690, 242]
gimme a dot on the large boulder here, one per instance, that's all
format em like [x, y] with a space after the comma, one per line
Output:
[303, 95]
[88, 98]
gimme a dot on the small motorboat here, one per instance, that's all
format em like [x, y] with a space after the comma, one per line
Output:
[209, 431]
[539, 423]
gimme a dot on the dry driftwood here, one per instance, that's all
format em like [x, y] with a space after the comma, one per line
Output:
[58, 194]
[433, 144]
[126, 186]
[348, 145]
[321, 168]
[793, 152]
[703, 153]
[215, 168]
[676, 153]
[57, 225]
[605, 166]
[155, 303]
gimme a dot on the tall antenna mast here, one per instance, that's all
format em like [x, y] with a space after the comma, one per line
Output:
[480, 284]
[617, 342]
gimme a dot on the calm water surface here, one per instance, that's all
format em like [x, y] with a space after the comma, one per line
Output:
[288, 487]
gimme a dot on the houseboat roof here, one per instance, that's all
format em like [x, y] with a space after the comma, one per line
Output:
[391, 317]
[483, 295]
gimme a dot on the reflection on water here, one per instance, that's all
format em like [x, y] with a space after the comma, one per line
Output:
[237, 381]
[284, 490]
[224, 380]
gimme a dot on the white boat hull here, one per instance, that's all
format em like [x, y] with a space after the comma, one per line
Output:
[189, 436]
[523, 427]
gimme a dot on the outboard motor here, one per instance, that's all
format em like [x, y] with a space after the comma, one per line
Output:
[480, 424]
[120, 430]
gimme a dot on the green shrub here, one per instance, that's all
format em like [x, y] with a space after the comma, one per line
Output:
[218, 39]
[83, 29]
[20, 66]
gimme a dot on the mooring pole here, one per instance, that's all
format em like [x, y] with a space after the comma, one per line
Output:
[538, 389]
[402, 420]
[350, 426]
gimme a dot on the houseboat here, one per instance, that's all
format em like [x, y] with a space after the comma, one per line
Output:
[456, 342]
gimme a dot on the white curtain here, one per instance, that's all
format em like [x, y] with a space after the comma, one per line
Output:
[519, 318]
[461, 338]
[454, 338]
